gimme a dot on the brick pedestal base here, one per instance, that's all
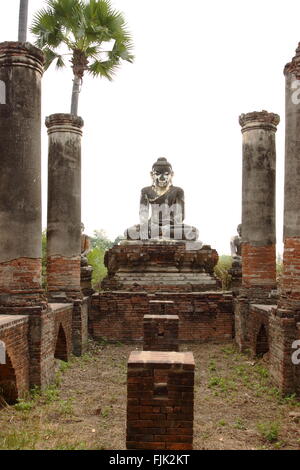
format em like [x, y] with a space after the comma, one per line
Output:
[160, 406]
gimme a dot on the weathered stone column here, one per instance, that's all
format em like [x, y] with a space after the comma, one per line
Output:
[64, 207]
[290, 286]
[258, 204]
[21, 69]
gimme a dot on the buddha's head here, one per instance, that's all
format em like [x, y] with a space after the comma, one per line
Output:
[162, 173]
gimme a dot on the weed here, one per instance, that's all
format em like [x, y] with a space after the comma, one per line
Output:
[18, 440]
[239, 424]
[269, 430]
[222, 422]
[24, 405]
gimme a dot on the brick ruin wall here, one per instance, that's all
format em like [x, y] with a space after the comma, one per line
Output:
[118, 316]
[14, 374]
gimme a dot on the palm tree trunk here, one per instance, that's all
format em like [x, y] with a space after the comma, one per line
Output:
[23, 16]
[75, 95]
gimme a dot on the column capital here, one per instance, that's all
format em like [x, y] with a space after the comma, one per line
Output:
[64, 123]
[23, 54]
[259, 120]
[293, 67]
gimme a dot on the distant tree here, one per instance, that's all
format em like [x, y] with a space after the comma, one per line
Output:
[96, 260]
[85, 28]
[221, 271]
[100, 240]
[23, 17]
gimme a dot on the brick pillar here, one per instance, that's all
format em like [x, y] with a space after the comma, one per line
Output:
[290, 283]
[161, 333]
[21, 69]
[64, 207]
[283, 322]
[258, 204]
[160, 400]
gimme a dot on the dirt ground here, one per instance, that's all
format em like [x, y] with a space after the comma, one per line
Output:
[236, 406]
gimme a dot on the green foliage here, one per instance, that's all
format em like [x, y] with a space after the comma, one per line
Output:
[269, 431]
[221, 271]
[100, 243]
[96, 260]
[100, 240]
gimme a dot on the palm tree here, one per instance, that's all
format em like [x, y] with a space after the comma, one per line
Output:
[23, 15]
[86, 29]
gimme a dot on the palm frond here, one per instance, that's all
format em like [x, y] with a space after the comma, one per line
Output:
[105, 69]
[50, 56]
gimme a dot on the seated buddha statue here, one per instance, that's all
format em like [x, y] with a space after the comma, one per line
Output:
[162, 209]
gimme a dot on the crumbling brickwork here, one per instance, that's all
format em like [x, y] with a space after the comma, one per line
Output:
[290, 280]
[63, 278]
[203, 316]
[283, 332]
[161, 333]
[161, 307]
[14, 374]
[80, 326]
[160, 400]
[259, 267]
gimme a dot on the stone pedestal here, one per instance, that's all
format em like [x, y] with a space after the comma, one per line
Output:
[64, 207]
[160, 266]
[21, 69]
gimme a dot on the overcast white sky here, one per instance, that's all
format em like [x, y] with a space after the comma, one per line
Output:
[198, 66]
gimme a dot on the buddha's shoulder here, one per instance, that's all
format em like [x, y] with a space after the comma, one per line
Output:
[147, 190]
[177, 189]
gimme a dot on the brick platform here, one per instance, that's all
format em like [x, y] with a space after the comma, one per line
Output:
[203, 316]
[160, 266]
[161, 333]
[160, 400]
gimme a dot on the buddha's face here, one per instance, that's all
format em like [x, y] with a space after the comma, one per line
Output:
[162, 177]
